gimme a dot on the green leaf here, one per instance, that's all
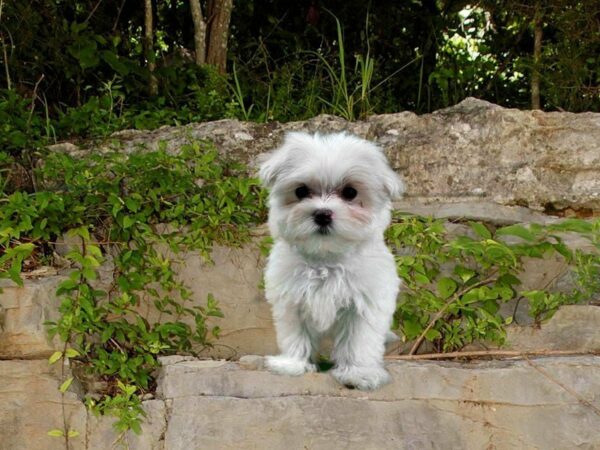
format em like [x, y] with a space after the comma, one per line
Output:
[471, 296]
[23, 250]
[565, 251]
[421, 279]
[71, 353]
[411, 329]
[516, 230]
[82, 232]
[128, 221]
[54, 357]
[89, 274]
[446, 287]
[491, 306]
[575, 225]
[73, 433]
[106, 334]
[66, 285]
[94, 251]
[464, 273]
[132, 204]
[56, 433]
[135, 426]
[432, 334]
[508, 279]
[113, 60]
[63, 387]
[481, 230]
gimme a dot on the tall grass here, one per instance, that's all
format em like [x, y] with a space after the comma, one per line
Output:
[301, 88]
[343, 100]
[351, 92]
[236, 90]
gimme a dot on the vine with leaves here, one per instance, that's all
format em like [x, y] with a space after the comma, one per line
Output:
[139, 213]
[454, 286]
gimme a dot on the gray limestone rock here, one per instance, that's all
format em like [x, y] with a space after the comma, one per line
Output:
[23, 312]
[471, 152]
[500, 405]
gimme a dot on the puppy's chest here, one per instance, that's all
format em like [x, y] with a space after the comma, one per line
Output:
[324, 291]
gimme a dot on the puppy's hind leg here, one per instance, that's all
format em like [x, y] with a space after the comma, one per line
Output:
[358, 352]
[295, 340]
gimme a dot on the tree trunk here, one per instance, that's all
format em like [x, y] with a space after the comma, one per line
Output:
[199, 31]
[430, 21]
[4, 52]
[219, 14]
[537, 56]
[149, 46]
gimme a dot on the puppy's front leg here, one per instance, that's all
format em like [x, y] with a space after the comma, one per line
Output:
[358, 352]
[295, 341]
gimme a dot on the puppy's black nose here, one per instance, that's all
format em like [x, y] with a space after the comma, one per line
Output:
[323, 217]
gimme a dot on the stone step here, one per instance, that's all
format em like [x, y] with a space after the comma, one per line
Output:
[543, 403]
[429, 405]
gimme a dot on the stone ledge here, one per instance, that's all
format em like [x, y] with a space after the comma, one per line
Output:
[445, 381]
[471, 151]
[472, 209]
[219, 405]
[499, 404]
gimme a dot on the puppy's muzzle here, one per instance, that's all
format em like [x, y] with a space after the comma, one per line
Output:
[323, 218]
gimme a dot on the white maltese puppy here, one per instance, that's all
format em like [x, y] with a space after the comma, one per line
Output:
[329, 271]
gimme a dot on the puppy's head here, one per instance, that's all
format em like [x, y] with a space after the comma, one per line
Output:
[328, 192]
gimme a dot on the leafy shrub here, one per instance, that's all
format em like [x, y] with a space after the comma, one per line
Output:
[20, 126]
[454, 286]
[190, 94]
[141, 210]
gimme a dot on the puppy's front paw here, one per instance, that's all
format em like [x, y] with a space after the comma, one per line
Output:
[285, 365]
[364, 378]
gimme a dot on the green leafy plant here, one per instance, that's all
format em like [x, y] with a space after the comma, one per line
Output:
[454, 285]
[345, 98]
[20, 126]
[141, 211]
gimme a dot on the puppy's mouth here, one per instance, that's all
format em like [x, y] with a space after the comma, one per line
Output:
[324, 230]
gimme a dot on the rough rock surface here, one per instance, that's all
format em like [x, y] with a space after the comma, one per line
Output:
[474, 152]
[23, 312]
[234, 279]
[30, 406]
[500, 405]
[542, 403]
[573, 328]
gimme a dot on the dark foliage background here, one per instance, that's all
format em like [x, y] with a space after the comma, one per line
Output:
[80, 67]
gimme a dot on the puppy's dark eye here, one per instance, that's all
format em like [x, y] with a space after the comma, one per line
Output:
[349, 193]
[302, 192]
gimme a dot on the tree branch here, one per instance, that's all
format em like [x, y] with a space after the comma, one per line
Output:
[441, 312]
[497, 354]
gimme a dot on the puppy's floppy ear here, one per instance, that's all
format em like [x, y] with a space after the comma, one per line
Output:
[392, 183]
[273, 164]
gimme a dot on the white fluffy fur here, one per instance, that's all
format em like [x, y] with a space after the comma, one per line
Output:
[342, 283]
